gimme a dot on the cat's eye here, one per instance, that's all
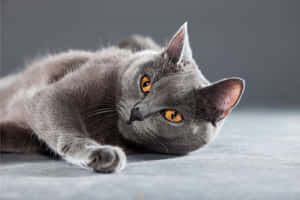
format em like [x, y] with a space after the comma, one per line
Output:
[145, 84]
[172, 115]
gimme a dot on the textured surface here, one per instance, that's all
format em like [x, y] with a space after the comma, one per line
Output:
[256, 156]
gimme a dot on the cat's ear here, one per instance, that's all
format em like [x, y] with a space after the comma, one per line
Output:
[178, 49]
[217, 100]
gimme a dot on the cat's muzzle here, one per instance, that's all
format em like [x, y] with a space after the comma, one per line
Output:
[135, 115]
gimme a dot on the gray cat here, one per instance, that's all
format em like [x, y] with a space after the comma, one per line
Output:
[92, 107]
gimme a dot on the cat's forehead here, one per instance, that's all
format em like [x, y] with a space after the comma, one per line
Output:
[159, 66]
[181, 77]
[176, 85]
[175, 91]
[143, 58]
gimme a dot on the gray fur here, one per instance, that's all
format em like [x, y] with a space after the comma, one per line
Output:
[78, 103]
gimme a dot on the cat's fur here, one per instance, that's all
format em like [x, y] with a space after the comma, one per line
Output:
[78, 103]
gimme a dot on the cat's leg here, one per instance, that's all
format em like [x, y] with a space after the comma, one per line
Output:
[18, 139]
[89, 154]
[54, 115]
[138, 43]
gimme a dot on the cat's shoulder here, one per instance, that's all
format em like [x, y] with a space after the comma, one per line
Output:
[77, 57]
[69, 56]
[112, 54]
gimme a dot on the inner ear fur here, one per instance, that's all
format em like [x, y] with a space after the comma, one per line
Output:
[178, 49]
[217, 100]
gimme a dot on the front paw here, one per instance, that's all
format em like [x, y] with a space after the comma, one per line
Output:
[106, 159]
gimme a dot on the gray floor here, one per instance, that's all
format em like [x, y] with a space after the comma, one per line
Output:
[256, 156]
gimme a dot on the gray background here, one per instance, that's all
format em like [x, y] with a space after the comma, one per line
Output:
[256, 40]
[256, 156]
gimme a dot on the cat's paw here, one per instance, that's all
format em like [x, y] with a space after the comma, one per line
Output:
[106, 159]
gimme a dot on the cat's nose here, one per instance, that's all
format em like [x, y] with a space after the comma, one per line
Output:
[136, 115]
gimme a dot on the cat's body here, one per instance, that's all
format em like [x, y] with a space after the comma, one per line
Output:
[18, 89]
[90, 107]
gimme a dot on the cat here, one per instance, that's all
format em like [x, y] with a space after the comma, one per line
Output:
[92, 107]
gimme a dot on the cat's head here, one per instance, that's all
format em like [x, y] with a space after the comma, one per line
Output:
[166, 103]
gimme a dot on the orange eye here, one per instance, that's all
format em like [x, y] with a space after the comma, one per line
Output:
[172, 115]
[145, 84]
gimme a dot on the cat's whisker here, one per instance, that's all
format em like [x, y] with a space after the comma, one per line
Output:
[101, 108]
[121, 104]
[100, 119]
[94, 123]
[121, 108]
[101, 105]
[99, 111]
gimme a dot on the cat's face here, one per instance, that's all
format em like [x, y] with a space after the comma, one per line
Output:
[167, 105]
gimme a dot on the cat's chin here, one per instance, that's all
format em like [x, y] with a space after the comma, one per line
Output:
[127, 131]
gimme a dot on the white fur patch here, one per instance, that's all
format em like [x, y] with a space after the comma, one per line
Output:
[16, 97]
[7, 81]
[32, 91]
[195, 129]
